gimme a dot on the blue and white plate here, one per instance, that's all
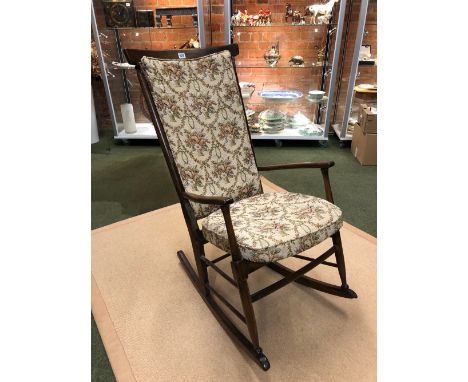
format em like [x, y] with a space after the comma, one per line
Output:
[280, 95]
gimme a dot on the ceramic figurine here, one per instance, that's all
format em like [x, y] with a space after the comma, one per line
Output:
[236, 18]
[320, 55]
[324, 19]
[244, 17]
[272, 55]
[289, 12]
[296, 19]
[297, 61]
[320, 9]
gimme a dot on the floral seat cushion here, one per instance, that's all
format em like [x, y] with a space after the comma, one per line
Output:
[274, 226]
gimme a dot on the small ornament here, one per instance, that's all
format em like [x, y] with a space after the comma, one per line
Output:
[272, 55]
[296, 19]
[289, 12]
[297, 61]
[320, 55]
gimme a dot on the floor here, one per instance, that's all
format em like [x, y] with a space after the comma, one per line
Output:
[129, 179]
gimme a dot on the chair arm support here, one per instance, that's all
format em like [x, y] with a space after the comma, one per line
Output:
[216, 200]
[223, 202]
[323, 166]
[287, 166]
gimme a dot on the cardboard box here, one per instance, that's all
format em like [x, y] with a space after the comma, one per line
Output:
[367, 119]
[364, 146]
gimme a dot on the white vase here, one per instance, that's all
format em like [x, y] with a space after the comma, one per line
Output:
[128, 118]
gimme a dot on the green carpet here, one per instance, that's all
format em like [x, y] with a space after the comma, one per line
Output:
[131, 179]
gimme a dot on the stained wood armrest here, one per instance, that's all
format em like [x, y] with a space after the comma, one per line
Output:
[217, 200]
[286, 166]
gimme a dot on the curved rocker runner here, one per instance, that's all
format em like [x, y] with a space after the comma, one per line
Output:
[195, 103]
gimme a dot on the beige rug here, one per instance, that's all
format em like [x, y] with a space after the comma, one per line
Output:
[155, 326]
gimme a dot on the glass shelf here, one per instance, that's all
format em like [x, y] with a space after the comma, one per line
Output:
[283, 25]
[282, 63]
[154, 28]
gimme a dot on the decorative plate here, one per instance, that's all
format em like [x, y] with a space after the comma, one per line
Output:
[280, 95]
[368, 87]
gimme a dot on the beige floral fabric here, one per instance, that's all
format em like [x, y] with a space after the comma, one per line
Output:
[273, 226]
[200, 106]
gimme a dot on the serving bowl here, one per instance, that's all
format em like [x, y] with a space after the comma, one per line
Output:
[316, 94]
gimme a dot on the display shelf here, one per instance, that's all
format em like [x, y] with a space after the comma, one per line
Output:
[355, 95]
[121, 86]
[283, 25]
[314, 42]
[282, 63]
[151, 28]
[144, 131]
[298, 104]
[288, 134]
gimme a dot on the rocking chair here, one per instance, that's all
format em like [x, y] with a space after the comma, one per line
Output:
[195, 103]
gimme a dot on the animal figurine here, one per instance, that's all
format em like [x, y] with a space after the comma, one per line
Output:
[296, 19]
[325, 19]
[320, 9]
[289, 12]
[296, 61]
[236, 18]
[193, 43]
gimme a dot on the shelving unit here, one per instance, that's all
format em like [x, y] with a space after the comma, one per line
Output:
[313, 75]
[351, 104]
[121, 85]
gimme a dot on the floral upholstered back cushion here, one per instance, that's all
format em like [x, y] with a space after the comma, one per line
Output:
[200, 106]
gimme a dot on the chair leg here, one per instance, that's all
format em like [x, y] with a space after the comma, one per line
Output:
[202, 268]
[340, 261]
[249, 313]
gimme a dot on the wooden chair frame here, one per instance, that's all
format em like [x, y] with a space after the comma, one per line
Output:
[241, 268]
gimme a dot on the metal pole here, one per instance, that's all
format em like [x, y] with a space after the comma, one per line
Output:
[123, 72]
[201, 24]
[354, 66]
[336, 54]
[227, 21]
[102, 65]
[325, 66]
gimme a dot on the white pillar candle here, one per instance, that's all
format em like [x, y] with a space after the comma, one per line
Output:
[128, 118]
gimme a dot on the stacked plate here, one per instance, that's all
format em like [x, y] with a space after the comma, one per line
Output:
[272, 121]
